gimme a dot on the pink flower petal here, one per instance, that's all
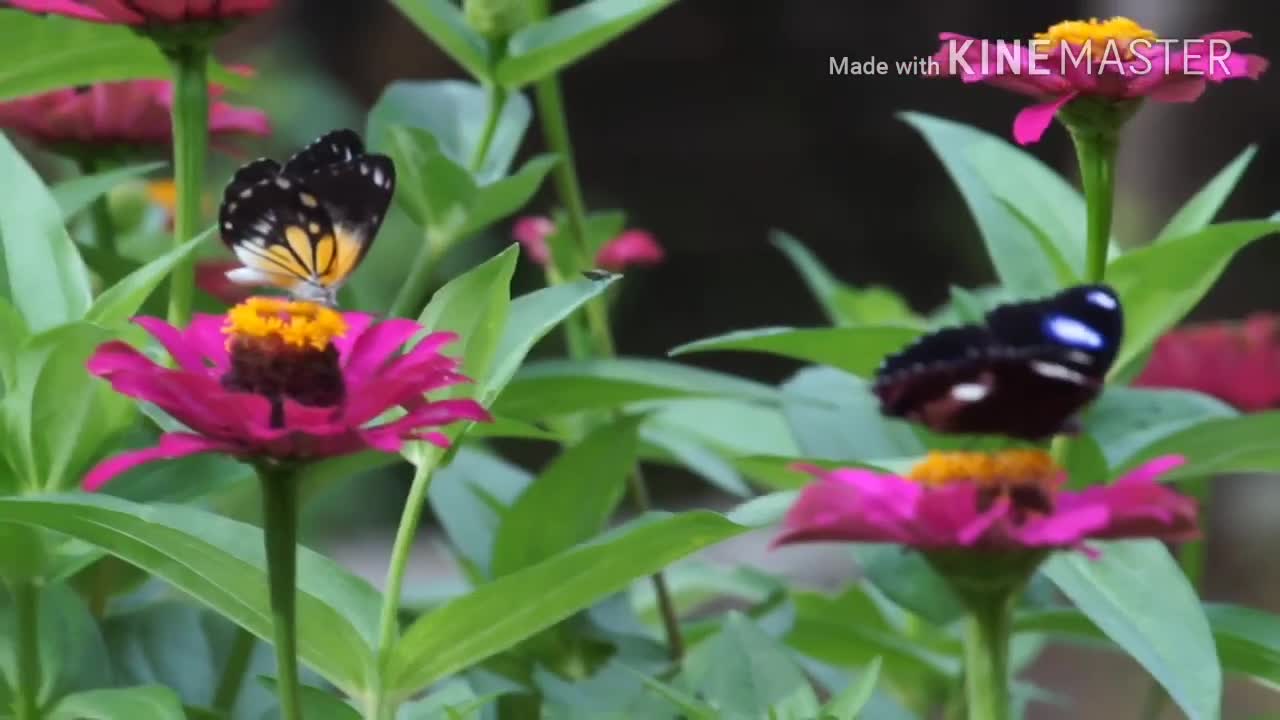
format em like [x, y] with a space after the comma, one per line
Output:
[1031, 122]
[172, 446]
[633, 247]
[79, 11]
[187, 357]
[532, 233]
[375, 346]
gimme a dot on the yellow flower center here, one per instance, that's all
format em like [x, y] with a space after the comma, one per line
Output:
[999, 470]
[1097, 34]
[292, 323]
[163, 193]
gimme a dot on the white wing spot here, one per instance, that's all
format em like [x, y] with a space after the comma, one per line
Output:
[364, 169]
[314, 228]
[1073, 332]
[378, 178]
[227, 226]
[231, 206]
[308, 199]
[283, 183]
[262, 227]
[1054, 371]
[970, 392]
[246, 192]
[1101, 299]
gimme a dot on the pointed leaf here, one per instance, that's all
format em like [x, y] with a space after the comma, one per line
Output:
[153, 703]
[1138, 596]
[46, 277]
[545, 47]
[1205, 204]
[856, 350]
[444, 23]
[121, 301]
[78, 193]
[852, 699]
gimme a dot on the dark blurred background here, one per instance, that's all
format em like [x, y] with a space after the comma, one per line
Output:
[717, 121]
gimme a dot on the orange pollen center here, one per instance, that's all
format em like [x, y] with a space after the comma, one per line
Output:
[1097, 35]
[1004, 470]
[294, 324]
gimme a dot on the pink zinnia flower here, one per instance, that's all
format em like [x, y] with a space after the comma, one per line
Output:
[287, 381]
[1238, 363]
[1125, 62]
[988, 502]
[135, 112]
[144, 12]
[632, 247]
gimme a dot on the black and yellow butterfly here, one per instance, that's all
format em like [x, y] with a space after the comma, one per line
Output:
[304, 227]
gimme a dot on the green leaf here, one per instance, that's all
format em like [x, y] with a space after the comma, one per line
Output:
[843, 303]
[581, 488]
[470, 496]
[1236, 444]
[454, 700]
[72, 653]
[46, 278]
[219, 562]
[59, 416]
[1248, 640]
[856, 350]
[532, 316]
[852, 699]
[743, 673]
[561, 387]
[120, 302]
[1139, 597]
[443, 22]
[78, 193]
[39, 54]
[974, 160]
[1124, 420]
[906, 578]
[454, 112]
[503, 197]
[434, 190]
[679, 449]
[835, 416]
[545, 47]
[152, 703]
[1205, 204]
[314, 703]
[486, 621]
[474, 305]
[1160, 284]
[850, 630]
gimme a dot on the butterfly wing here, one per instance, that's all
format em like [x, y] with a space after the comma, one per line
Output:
[334, 147]
[279, 238]
[1024, 375]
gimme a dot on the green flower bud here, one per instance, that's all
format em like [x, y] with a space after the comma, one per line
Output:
[496, 19]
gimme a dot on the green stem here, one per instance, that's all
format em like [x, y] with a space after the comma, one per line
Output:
[497, 99]
[26, 600]
[1096, 153]
[1191, 555]
[280, 533]
[190, 144]
[224, 698]
[412, 297]
[555, 128]
[389, 623]
[986, 656]
[666, 606]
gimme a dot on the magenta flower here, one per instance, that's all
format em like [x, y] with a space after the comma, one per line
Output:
[1004, 501]
[1236, 362]
[135, 112]
[143, 12]
[1114, 60]
[631, 248]
[286, 381]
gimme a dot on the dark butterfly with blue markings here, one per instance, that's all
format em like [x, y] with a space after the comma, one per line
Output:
[1024, 373]
[305, 226]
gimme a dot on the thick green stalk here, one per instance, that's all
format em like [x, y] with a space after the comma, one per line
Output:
[1096, 153]
[190, 145]
[26, 600]
[224, 698]
[1191, 554]
[280, 533]
[986, 656]
[389, 623]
